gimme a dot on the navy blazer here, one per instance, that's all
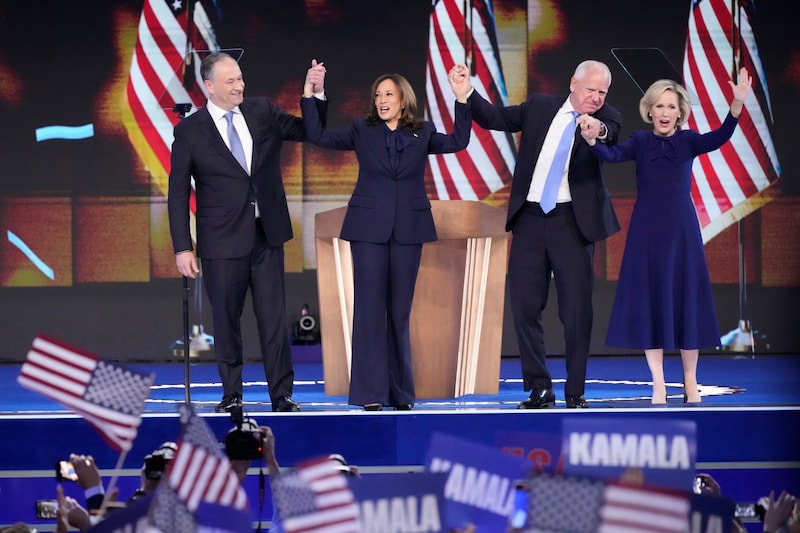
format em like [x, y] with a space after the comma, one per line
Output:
[224, 191]
[591, 198]
[388, 200]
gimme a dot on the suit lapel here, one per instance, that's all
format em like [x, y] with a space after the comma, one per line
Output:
[253, 124]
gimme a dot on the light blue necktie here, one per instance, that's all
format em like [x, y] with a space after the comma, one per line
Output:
[235, 142]
[553, 180]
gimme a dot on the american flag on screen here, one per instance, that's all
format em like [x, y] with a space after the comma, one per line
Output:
[200, 470]
[584, 506]
[729, 183]
[315, 498]
[108, 396]
[456, 36]
[160, 77]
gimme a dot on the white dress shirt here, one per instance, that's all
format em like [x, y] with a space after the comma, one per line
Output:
[218, 116]
[562, 120]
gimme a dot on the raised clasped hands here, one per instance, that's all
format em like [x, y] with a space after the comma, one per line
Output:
[590, 128]
[315, 79]
[459, 81]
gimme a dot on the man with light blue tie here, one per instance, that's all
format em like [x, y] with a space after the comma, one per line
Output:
[232, 148]
[558, 208]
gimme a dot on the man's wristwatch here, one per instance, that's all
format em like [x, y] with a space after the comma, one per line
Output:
[603, 130]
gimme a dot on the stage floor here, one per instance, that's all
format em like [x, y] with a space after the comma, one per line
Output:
[612, 382]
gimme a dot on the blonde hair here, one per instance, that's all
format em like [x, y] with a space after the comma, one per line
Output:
[655, 91]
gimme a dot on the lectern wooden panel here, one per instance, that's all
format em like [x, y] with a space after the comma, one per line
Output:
[457, 315]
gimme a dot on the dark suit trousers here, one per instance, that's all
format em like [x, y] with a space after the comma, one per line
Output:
[228, 281]
[384, 277]
[545, 244]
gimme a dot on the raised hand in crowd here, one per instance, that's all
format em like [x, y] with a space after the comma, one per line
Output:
[86, 470]
[268, 450]
[781, 514]
[70, 513]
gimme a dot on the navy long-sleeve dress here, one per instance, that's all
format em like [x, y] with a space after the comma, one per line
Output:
[664, 298]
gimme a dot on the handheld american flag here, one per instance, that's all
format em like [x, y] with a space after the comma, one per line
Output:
[456, 36]
[315, 498]
[729, 183]
[586, 506]
[169, 513]
[108, 396]
[200, 470]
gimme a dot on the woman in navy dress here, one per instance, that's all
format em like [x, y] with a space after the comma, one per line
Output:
[664, 299]
[387, 221]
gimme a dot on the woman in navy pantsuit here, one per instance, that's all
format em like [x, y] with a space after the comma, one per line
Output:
[388, 219]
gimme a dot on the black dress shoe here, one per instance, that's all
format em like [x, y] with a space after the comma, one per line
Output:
[539, 399]
[576, 401]
[404, 407]
[373, 407]
[285, 404]
[228, 401]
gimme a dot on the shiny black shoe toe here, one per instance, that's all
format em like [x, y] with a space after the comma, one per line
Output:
[228, 402]
[539, 399]
[574, 402]
[404, 407]
[373, 407]
[285, 404]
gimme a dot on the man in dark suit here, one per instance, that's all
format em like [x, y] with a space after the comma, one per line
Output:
[232, 148]
[554, 235]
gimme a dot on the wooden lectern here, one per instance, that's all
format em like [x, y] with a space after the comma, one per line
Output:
[457, 315]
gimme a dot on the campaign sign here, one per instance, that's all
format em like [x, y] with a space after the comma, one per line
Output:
[401, 503]
[659, 453]
[710, 514]
[480, 484]
[541, 448]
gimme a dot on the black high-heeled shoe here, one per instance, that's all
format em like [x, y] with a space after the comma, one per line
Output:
[687, 403]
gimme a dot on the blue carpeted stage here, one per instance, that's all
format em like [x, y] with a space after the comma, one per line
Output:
[747, 428]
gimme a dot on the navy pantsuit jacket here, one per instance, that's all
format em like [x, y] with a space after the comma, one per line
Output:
[390, 209]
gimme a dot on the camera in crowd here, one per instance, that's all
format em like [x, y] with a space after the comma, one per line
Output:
[156, 463]
[245, 441]
[306, 330]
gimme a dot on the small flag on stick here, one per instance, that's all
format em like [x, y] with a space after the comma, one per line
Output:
[108, 396]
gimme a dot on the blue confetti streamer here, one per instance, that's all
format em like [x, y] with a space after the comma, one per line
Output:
[64, 132]
[41, 265]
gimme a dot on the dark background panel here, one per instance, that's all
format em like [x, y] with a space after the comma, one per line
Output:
[60, 63]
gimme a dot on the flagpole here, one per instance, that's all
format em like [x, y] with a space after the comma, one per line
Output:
[112, 483]
[741, 338]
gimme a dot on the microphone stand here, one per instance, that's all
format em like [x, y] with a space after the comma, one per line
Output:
[181, 110]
